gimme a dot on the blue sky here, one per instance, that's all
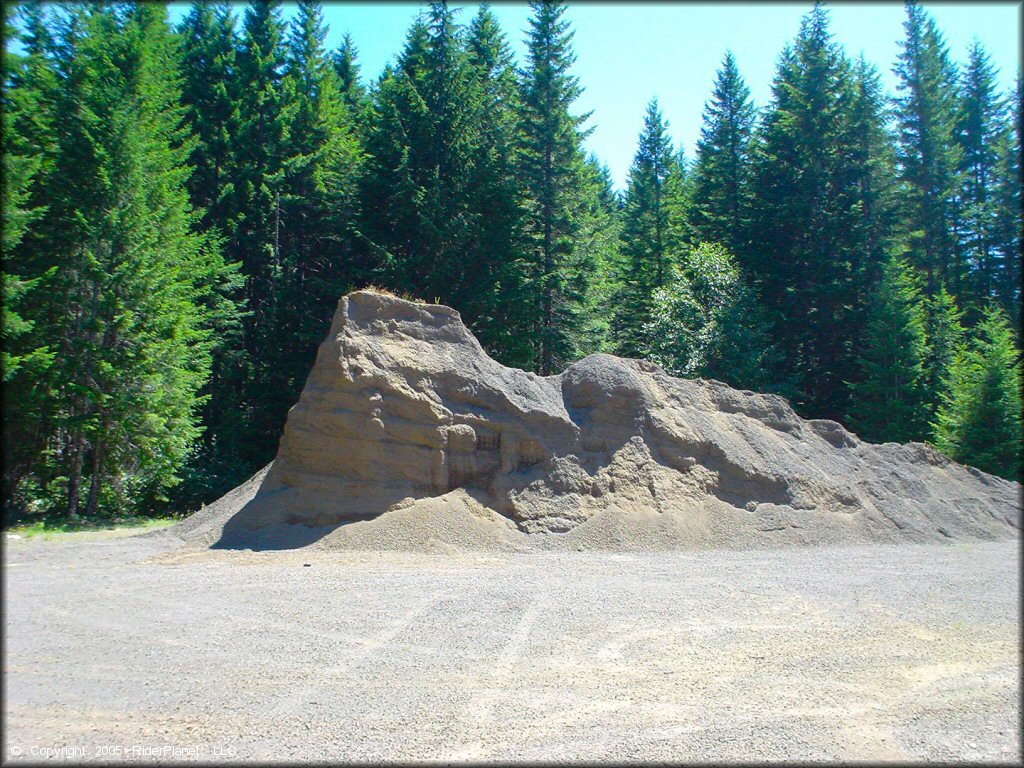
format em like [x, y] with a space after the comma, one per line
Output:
[628, 53]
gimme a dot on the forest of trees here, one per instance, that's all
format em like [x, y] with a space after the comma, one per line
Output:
[183, 206]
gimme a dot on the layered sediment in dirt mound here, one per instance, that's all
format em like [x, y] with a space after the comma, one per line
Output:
[408, 436]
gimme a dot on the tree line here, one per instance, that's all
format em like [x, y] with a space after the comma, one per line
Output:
[184, 205]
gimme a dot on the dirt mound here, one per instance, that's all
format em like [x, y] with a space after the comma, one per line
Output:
[408, 436]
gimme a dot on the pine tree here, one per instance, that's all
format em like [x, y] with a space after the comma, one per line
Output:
[321, 161]
[1008, 219]
[928, 154]
[592, 269]
[208, 63]
[981, 121]
[255, 206]
[259, 142]
[346, 67]
[812, 215]
[889, 402]
[979, 422]
[870, 176]
[721, 174]
[551, 162]
[944, 334]
[646, 251]
[132, 292]
[496, 307]
[26, 359]
[444, 213]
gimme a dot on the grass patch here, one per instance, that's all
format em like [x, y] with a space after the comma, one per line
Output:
[49, 528]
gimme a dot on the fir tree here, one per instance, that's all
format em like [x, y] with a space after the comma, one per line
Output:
[722, 171]
[26, 358]
[814, 268]
[927, 151]
[346, 67]
[889, 401]
[208, 63]
[944, 334]
[496, 308]
[133, 293]
[550, 162]
[980, 124]
[870, 176]
[646, 251]
[318, 205]
[255, 206]
[979, 422]
[1008, 218]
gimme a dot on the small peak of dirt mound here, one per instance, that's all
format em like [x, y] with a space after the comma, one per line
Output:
[408, 436]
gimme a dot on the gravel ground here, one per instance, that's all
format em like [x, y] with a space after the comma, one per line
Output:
[133, 648]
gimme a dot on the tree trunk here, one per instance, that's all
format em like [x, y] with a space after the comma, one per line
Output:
[94, 486]
[75, 480]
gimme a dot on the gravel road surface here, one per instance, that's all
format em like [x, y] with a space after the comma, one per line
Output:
[135, 649]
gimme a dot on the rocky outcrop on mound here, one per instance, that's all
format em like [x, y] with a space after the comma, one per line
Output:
[405, 421]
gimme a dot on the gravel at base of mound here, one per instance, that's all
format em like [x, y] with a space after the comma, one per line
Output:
[205, 526]
[459, 521]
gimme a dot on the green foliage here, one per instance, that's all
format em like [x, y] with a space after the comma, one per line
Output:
[346, 67]
[550, 169]
[944, 334]
[135, 156]
[817, 236]
[979, 422]
[127, 296]
[890, 398]
[979, 130]
[648, 249]
[1008, 219]
[208, 62]
[927, 152]
[721, 193]
[706, 322]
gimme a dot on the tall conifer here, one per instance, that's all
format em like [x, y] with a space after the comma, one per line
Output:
[647, 251]
[721, 175]
[551, 162]
[928, 154]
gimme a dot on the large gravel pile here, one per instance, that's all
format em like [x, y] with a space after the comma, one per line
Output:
[408, 436]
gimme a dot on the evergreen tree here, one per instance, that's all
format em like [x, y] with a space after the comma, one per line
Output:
[1008, 218]
[592, 269]
[812, 216]
[346, 67]
[317, 206]
[443, 213]
[132, 292]
[870, 173]
[979, 422]
[26, 358]
[980, 124]
[889, 402]
[551, 161]
[944, 334]
[722, 172]
[208, 64]
[496, 309]
[928, 154]
[646, 250]
[255, 205]
[259, 155]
